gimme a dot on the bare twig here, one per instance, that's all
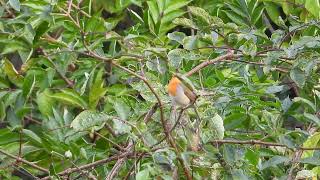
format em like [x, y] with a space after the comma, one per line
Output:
[133, 166]
[108, 127]
[109, 140]
[204, 64]
[29, 118]
[292, 32]
[69, 6]
[24, 161]
[69, 82]
[150, 113]
[116, 168]
[297, 156]
[81, 11]
[258, 142]
[92, 165]
[257, 63]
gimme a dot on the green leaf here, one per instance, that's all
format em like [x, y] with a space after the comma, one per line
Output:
[69, 96]
[235, 18]
[8, 137]
[286, 104]
[174, 5]
[95, 24]
[97, 91]
[215, 127]
[200, 13]
[176, 56]
[136, 15]
[256, 14]
[239, 11]
[2, 111]
[142, 175]
[190, 42]
[40, 30]
[298, 76]
[252, 156]
[274, 89]
[313, 7]
[154, 10]
[234, 120]
[123, 110]
[28, 85]
[305, 174]
[12, 98]
[273, 12]
[274, 161]
[45, 102]
[310, 160]
[305, 101]
[249, 48]
[238, 174]
[12, 73]
[185, 22]
[15, 4]
[311, 142]
[88, 118]
[4, 83]
[176, 36]
[312, 117]
[120, 127]
[32, 136]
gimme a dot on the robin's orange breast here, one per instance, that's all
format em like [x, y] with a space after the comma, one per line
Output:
[172, 87]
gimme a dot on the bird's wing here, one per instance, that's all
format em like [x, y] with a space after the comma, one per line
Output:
[190, 94]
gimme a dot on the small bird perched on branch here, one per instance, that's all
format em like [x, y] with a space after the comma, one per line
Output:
[181, 93]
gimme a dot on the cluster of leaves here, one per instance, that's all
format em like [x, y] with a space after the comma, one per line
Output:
[82, 81]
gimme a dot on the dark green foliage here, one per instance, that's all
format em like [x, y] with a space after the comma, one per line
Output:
[83, 82]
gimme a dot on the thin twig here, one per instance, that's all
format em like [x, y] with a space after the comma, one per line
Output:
[257, 142]
[69, 6]
[209, 62]
[292, 32]
[93, 164]
[109, 140]
[297, 156]
[150, 113]
[257, 63]
[81, 11]
[133, 166]
[116, 168]
[69, 82]
[24, 161]
[108, 127]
